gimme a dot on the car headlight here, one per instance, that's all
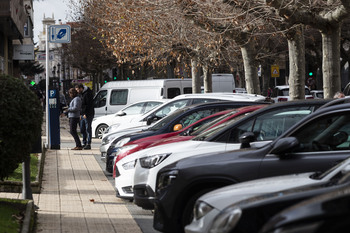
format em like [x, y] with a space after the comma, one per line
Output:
[165, 179]
[122, 142]
[129, 165]
[201, 209]
[226, 220]
[153, 160]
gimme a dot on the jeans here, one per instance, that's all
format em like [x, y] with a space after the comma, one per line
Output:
[85, 129]
[73, 124]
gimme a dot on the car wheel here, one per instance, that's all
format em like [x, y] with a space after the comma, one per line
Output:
[187, 213]
[100, 130]
[109, 165]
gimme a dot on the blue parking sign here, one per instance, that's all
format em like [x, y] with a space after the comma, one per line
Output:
[59, 33]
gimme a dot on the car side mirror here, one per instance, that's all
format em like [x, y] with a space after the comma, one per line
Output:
[246, 138]
[177, 127]
[150, 120]
[284, 145]
[121, 113]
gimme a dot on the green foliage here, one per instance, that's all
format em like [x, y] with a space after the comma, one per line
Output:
[11, 214]
[21, 118]
[34, 170]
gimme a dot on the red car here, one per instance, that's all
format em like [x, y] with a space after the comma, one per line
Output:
[185, 134]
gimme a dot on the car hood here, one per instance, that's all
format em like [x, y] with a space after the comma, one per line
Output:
[228, 195]
[125, 131]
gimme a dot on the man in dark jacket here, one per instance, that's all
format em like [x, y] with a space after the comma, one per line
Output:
[87, 114]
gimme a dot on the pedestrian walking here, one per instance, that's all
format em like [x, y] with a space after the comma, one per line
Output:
[87, 114]
[73, 113]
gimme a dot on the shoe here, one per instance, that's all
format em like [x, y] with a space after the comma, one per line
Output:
[77, 148]
[84, 145]
[87, 147]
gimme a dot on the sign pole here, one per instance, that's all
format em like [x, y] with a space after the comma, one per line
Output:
[47, 89]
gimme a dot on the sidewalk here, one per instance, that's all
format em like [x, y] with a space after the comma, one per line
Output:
[76, 195]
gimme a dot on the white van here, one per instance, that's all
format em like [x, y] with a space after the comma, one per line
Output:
[224, 83]
[115, 95]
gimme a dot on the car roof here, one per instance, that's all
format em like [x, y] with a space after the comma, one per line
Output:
[224, 95]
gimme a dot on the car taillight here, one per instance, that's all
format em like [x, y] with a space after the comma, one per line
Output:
[282, 99]
[234, 91]
[310, 97]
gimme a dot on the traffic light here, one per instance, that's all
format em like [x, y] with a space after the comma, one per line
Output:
[32, 83]
[114, 74]
[311, 74]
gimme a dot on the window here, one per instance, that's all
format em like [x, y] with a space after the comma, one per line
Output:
[272, 124]
[172, 92]
[327, 133]
[188, 90]
[195, 116]
[119, 97]
[171, 107]
[100, 99]
[200, 101]
[134, 109]
[150, 106]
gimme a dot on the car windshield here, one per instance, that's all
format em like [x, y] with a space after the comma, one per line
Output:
[205, 126]
[164, 121]
[205, 134]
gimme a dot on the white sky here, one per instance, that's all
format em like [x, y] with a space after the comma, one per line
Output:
[60, 9]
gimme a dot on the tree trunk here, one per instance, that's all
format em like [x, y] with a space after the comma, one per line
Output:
[196, 82]
[296, 46]
[250, 69]
[331, 61]
[207, 80]
[27, 189]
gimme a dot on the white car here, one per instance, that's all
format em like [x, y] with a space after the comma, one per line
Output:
[281, 93]
[209, 205]
[101, 123]
[275, 119]
[317, 94]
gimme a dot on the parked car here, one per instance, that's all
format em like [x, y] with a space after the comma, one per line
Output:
[317, 94]
[101, 123]
[218, 203]
[263, 125]
[313, 144]
[124, 175]
[174, 122]
[281, 93]
[325, 213]
[145, 120]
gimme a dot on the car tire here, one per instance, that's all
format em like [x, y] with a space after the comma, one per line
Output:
[187, 211]
[109, 165]
[100, 130]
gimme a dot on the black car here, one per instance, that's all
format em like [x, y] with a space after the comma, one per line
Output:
[184, 116]
[258, 129]
[325, 213]
[316, 143]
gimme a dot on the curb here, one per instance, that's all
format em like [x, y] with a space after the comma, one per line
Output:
[28, 222]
